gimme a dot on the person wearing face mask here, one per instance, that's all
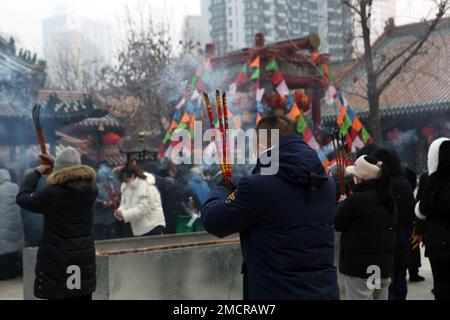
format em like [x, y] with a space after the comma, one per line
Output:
[367, 220]
[140, 202]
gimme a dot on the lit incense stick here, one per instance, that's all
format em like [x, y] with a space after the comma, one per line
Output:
[213, 127]
[221, 126]
[228, 168]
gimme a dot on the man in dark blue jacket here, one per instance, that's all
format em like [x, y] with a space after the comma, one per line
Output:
[285, 221]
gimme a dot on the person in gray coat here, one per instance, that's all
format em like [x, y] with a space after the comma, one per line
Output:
[11, 228]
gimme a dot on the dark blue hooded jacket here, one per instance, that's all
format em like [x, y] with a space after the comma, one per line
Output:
[199, 186]
[286, 226]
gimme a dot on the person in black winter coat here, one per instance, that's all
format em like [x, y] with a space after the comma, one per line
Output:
[415, 259]
[285, 219]
[65, 265]
[367, 220]
[404, 200]
[174, 194]
[105, 226]
[434, 209]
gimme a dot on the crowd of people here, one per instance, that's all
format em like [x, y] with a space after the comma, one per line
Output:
[172, 194]
[287, 221]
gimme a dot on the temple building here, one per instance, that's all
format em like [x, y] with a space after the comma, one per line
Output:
[78, 119]
[415, 107]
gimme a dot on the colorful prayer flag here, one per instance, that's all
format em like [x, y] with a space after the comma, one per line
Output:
[283, 89]
[186, 118]
[259, 94]
[181, 126]
[301, 125]
[294, 113]
[272, 66]
[258, 118]
[277, 77]
[173, 125]
[365, 135]
[167, 137]
[255, 63]
[256, 74]
[289, 102]
[357, 125]
[346, 124]
[241, 78]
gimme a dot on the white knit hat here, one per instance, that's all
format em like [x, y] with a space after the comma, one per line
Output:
[67, 158]
[364, 170]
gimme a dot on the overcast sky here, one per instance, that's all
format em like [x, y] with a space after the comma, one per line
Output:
[23, 18]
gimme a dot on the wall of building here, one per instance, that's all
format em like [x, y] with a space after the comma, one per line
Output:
[232, 24]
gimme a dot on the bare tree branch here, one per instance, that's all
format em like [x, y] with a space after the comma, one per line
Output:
[351, 6]
[443, 6]
[373, 87]
[386, 65]
[147, 52]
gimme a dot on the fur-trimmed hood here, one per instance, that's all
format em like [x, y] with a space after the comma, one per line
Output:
[70, 174]
[433, 155]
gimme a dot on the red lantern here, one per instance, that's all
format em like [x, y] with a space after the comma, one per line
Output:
[111, 138]
[393, 134]
[429, 131]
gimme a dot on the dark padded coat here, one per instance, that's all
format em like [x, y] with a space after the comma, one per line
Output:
[368, 232]
[434, 205]
[67, 205]
[405, 202]
[285, 223]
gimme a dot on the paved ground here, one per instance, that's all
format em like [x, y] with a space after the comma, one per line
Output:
[12, 290]
[422, 290]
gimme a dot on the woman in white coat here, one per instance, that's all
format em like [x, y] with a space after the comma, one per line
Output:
[140, 203]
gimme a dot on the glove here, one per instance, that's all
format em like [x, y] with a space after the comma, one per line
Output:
[229, 185]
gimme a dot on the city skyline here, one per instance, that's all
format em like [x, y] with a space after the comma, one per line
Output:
[234, 24]
[29, 33]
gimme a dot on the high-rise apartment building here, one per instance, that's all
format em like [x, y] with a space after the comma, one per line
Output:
[232, 24]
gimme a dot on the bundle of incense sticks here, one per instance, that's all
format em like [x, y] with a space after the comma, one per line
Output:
[40, 135]
[341, 160]
[225, 165]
